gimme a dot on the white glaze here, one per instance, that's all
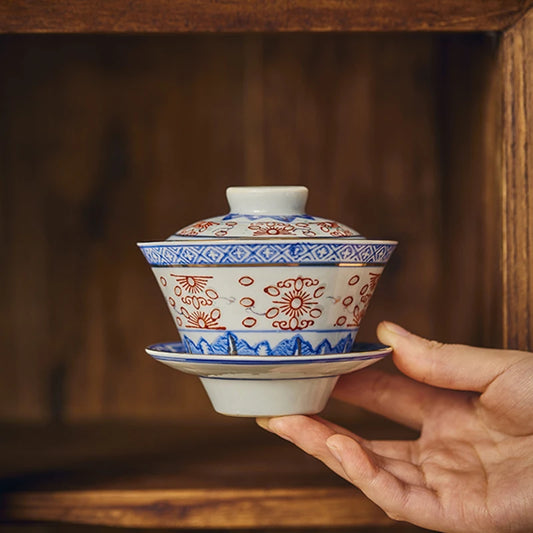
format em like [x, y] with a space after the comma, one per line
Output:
[268, 386]
[271, 200]
[270, 280]
[272, 310]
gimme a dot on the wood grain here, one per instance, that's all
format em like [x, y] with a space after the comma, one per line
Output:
[230, 508]
[470, 139]
[517, 175]
[354, 121]
[112, 140]
[148, 475]
[86, 177]
[487, 194]
[141, 16]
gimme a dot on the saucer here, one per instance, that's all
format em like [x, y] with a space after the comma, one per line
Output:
[240, 385]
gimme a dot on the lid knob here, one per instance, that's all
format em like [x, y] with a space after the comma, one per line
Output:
[275, 200]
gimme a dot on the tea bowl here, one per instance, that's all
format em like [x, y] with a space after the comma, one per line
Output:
[267, 279]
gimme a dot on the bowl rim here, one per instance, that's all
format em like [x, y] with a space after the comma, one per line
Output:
[285, 240]
[267, 252]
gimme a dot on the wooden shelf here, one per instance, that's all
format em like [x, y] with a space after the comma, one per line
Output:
[231, 475]
[120, 16]
[106, 137]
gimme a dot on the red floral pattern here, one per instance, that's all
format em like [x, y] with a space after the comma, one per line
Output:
[266, 226]
[196, 229]
[334, 230]
[194, 293]
[353, 316]
[202, 319]
[293, 304]
[190, 284]
[297, 301]
[271, 229]
[228, 226]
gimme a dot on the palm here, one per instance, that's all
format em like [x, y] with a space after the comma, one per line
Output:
[474, 450]
[467, 464]
[471, 468]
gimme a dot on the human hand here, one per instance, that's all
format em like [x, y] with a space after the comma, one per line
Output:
[471, 469]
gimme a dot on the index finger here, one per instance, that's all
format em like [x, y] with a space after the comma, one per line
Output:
[451, 366]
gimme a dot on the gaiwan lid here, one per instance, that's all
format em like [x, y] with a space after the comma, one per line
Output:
[266, 213]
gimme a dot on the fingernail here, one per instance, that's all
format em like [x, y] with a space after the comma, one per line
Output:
[263, 422]
[395, 329]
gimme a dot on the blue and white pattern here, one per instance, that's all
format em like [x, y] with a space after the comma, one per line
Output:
[268, 386]
[176, 352]
[184, 253]
[229, 343]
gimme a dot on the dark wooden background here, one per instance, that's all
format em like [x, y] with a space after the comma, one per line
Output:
[108, 140]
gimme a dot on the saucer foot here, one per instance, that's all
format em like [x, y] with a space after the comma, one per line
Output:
[264, 397]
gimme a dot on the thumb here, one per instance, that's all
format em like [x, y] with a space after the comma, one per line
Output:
[452, 366]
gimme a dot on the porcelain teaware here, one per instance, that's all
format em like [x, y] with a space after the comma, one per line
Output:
[240, 385]
[267, 279]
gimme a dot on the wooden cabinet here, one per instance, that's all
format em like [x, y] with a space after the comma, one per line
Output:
[122, 121]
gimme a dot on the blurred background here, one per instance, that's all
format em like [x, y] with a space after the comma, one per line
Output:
[107, 141]
[110, 140]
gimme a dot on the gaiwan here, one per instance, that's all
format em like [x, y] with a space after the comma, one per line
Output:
[267, 279]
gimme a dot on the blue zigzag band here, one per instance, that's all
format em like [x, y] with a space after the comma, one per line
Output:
[223, 345]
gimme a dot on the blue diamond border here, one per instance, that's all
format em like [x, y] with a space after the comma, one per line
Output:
[163, 254]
